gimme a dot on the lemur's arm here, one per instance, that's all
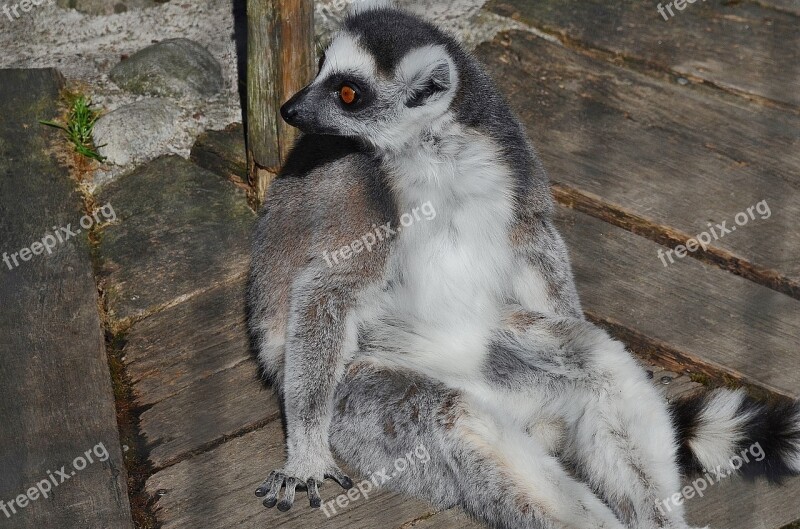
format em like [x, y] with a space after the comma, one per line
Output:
[320, 334]
[546, 284]
[314, 364]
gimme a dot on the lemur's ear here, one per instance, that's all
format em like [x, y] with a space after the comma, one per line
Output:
[426, 73]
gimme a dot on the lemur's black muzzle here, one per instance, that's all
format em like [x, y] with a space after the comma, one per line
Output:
[292, 111]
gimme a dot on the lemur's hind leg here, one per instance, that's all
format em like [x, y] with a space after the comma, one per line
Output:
[619, 438]
[496, 472]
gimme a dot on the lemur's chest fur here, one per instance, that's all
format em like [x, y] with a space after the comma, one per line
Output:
[447, 278]
[456, 266]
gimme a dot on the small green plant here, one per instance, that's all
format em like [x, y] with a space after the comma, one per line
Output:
[78, 129]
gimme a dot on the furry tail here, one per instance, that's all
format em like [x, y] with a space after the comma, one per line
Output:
[727, 430]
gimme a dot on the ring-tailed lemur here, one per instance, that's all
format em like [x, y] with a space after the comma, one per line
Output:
[463, 333]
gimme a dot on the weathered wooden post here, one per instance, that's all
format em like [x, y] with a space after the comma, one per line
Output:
[280, 61]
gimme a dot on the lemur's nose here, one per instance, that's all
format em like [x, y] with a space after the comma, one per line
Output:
[290, 111]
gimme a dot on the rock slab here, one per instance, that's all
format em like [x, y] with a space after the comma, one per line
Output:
[180, 230]
[132, 132]
[171, 68]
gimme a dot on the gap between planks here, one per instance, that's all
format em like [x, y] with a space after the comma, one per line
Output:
[594, 205]
[616, 51]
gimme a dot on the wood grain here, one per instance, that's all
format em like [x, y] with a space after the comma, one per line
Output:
[180, 229]
[263, 89]
[57, 400]
[215, 490]
[298, 60]
[712, 318]
[659, 158]
[280, 61]
[207, 411]
[194, 376]
[178, 347]
[739, 46]
[738, 504]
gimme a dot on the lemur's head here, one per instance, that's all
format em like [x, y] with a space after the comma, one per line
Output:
[386, 77]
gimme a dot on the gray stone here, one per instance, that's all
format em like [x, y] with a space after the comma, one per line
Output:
[133, 133]
[106, 7]
[223, 152]
[171, 68]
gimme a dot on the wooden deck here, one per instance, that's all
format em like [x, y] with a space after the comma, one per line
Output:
[650, 130]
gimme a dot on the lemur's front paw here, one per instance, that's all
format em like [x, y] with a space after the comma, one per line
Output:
[298, 479]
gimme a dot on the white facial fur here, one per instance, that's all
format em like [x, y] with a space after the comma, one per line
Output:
[345, 55]
[411, 75]
[388, 123]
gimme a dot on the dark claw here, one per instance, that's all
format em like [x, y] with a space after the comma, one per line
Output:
[339, 477]
[271, 497]
[262, 489]
[288, 496]
[313, 493]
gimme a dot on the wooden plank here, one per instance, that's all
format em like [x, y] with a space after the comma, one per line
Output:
[207, 411]
[180, 230]
[735, 503]
[173, 349]
[740, 46]
[193, 374]
[57, 401]
[694, 313]
[215, 490]
[658, 158]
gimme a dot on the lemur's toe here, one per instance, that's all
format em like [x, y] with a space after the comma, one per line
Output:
[313, 493]
[339, 477]
[262, 489]
[271, 496]
[288, 496]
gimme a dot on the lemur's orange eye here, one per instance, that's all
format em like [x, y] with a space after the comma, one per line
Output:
[348, 95]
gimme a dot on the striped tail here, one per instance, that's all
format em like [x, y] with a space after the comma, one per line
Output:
[728, 430]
